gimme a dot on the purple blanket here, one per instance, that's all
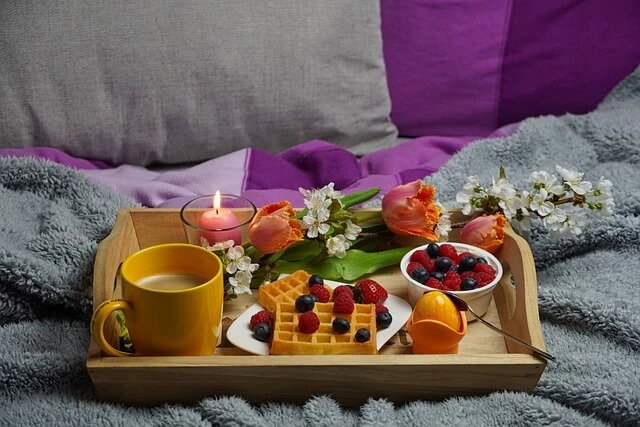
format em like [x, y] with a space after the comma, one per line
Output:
[265, 177]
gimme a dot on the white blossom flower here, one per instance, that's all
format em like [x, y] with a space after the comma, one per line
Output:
[573, 179]
[218, 246]
[337, 246]
[320, 196]
[502, 189]
[511, 207]
[540, 203]
[469, 190]
[575, 223]
[600, 199]
[443, 227]
[555, 219]
[314, 226]
[543, 179]
[317, 202]
[352, 230]
[604, 186]
[238, 261]
[329, 192]
[240, 282]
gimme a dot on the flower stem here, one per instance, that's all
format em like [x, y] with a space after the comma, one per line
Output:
[358, 197]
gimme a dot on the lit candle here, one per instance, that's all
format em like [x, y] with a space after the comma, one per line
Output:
[217, 219]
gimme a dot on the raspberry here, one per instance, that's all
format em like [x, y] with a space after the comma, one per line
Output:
[412, 266]
[484, 268]
[381, 308]
[320, 292]
[419, 256]
[422, 257]
[483, 279]
[434, 283]
[452, 281]
[372, 291]
[342, 289]
[467, 275]
[465, 253]
[449, 251]
[430, 265]
[263, 316]
[343, 304]
[308, 322]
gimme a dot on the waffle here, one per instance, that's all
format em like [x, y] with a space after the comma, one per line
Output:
[287, 340]
[286, 289]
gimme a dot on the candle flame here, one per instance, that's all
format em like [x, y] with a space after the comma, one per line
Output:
[216, 202]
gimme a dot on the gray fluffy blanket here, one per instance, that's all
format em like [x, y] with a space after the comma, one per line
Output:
[52, 218]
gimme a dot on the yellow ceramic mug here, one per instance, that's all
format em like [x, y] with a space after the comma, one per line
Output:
[172, 300]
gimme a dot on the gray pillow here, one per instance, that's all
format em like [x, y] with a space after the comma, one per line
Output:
[169, 81]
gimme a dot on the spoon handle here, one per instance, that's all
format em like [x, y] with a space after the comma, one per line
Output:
[536, 350]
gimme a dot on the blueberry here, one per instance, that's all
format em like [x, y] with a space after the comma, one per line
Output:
[481, 260]
[443, 264]
[305, 303]
[433, 250]
[340, 325]
[315, 298]
[363, 335]
[468, 284]
[357, 294]
[420, 275]
[314, 279]
[438, 275]
[262, 332]
[467, 263]
[383, 320]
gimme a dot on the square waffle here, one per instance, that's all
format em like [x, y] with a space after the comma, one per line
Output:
[287, 339]
[286, 289]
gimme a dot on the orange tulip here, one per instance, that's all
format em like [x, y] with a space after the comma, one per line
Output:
[486, 232]
[410, 210]
[274, 228]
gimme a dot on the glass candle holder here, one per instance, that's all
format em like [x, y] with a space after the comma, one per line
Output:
[211, 219]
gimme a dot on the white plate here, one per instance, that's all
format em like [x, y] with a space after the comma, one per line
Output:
[241, 336]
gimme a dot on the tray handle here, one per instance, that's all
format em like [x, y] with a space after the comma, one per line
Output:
[517, 293]
[112, 250]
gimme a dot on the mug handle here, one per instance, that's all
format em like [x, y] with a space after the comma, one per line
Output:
[98, 320]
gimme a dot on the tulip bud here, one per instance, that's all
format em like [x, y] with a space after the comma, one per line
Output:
[274, 228]
[485, 232]
[410, 210]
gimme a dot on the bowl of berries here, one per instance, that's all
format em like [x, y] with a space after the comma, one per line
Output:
[467, 271]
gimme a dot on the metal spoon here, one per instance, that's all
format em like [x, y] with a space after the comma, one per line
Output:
[463, 306]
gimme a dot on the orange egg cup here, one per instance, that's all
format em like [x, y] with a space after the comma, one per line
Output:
[435, 337]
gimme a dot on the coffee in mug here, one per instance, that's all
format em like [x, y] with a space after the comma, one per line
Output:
[172, 301]
[171, 281]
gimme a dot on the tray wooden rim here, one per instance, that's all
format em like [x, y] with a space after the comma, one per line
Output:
[517, 368]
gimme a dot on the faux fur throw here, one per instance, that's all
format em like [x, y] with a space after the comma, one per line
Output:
[52, 218]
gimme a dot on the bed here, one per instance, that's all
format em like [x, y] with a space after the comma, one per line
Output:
[61, 189]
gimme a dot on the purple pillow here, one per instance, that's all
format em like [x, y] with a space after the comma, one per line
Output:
[467, 68]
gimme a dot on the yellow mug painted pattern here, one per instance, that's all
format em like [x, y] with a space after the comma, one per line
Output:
[185, 322]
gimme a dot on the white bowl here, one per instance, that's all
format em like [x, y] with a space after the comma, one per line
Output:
[478, 299]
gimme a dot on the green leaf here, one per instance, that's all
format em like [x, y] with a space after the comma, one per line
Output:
[358, 263]
[325, 269]
[375, 228]
[301, 250]
[353, 266]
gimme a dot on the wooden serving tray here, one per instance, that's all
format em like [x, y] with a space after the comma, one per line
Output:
[485, 362]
